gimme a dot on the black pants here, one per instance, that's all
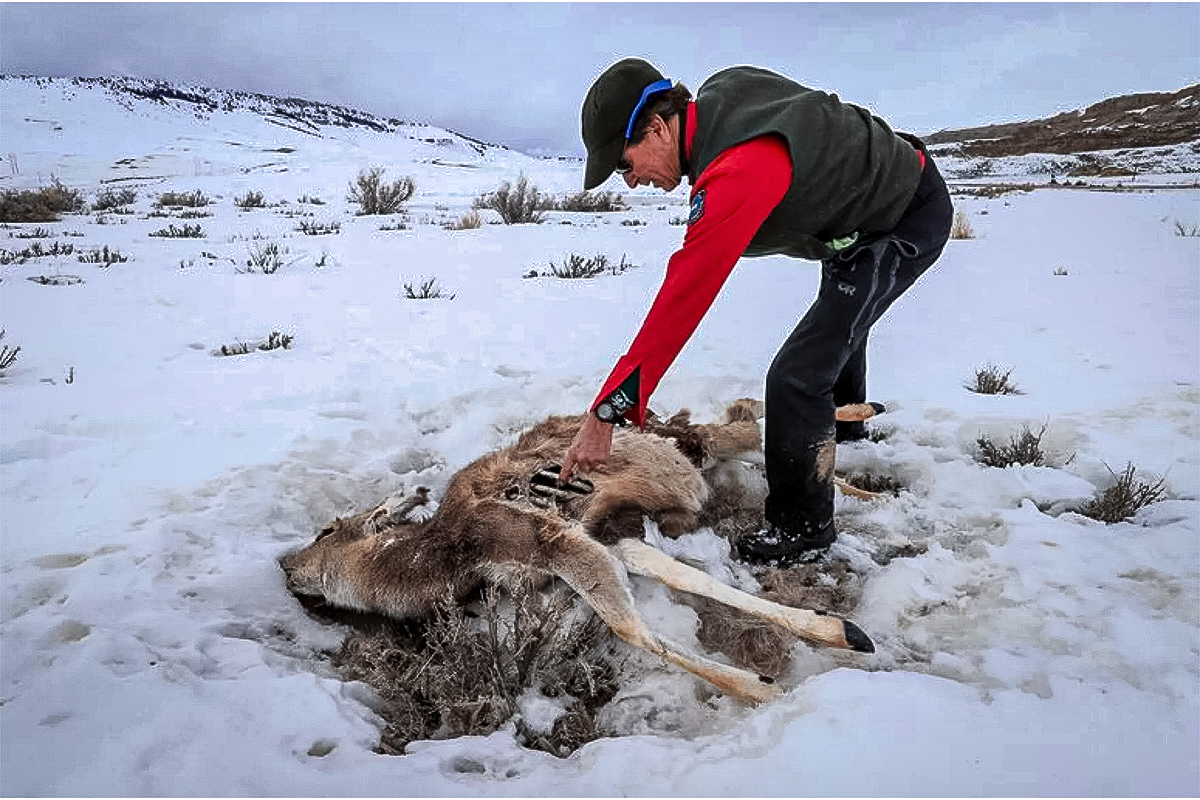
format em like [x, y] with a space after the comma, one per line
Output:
[823, 364]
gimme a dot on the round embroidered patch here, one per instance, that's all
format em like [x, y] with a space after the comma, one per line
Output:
[697, 209]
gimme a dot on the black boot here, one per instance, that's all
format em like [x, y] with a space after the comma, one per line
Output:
[777, 547]
[856, 431]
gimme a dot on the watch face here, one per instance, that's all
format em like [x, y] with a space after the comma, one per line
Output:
[605, 412]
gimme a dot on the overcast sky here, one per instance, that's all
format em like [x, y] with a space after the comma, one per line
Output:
[517, 73]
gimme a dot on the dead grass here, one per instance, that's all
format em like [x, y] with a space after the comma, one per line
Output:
[46, 204]
[455, 674]
[427, 289]
[1023, 449]
[961, 227]
[196, 199]
[467, 222]
[8, 355]
[990, 379]
[591, 202]
[518, 204]
[1124, 498]
[575, 266]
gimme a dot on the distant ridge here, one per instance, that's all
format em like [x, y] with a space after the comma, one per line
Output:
[302, 116]
[1155, 119]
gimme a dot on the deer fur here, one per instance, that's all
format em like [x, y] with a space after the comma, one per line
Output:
[487, 528]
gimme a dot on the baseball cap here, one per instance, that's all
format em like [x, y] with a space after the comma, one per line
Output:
[608, 112]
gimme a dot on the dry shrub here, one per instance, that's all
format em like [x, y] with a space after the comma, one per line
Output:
[990, 379]
[1124, 498]
[104, 256]
[319, 228]
[467, 222]
[46, 204]
[592, 202]
[194, 199]
[577, 266]
[1024, 448]
[520, 204]
[110, 199]
[961, 227]
[251, 199]
[183, 232]
[374, 196]
[457, 675]
[428, 289]
[8, 355]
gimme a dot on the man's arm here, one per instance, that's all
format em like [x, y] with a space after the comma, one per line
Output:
[730, 201]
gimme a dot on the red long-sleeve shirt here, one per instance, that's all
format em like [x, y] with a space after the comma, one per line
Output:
[736, 192]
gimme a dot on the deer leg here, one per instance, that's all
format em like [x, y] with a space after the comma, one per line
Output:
[845, 488]
[642, 559]
[592, 571]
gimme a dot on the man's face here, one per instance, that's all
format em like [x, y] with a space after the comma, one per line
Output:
[654, 161]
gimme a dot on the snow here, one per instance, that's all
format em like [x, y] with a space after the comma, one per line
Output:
[149, 647]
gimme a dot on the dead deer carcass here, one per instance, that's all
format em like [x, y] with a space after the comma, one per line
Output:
[506, 513]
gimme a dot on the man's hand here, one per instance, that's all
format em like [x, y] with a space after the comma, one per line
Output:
[590, 449]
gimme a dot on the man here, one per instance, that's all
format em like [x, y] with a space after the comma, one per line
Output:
[774, 168]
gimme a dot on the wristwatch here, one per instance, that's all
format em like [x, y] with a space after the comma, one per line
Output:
[606, 412]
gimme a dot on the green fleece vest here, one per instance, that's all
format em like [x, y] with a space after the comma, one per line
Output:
[851, 174]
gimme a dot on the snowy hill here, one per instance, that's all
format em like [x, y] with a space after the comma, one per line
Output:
[77, 130]
[1152, 134]
[149, 481]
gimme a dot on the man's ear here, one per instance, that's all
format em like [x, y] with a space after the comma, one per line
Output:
[658, 126]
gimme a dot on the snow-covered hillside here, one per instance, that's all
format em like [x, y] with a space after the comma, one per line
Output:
[78, 131]
[148, 645]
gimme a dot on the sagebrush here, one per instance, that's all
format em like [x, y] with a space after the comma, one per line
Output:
[265, 257]
[1127, 496]
[104, 256]
[375, 196]
[575, 266]
[457, 675]
[35, 250]
[592, 202]
[111, 199]
[1023, 449]
[427, 289]
[46, 204]
[990, 379]
[274, 341]
[251, 199]
[8, 355]
[319, 228]
[196, 199]
[181, 232]
[516, 204]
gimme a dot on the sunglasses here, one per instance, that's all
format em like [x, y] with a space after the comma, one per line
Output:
[623, 166]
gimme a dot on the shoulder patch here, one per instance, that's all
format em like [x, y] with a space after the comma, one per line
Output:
[697, 209]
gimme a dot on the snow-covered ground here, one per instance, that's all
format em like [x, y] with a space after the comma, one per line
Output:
[147, 487]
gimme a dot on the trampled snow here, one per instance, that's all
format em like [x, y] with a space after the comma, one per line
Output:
[147, 487]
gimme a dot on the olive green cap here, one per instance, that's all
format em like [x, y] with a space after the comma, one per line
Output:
[605, 115]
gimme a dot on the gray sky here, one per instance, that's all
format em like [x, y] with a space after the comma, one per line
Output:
[517, 73]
